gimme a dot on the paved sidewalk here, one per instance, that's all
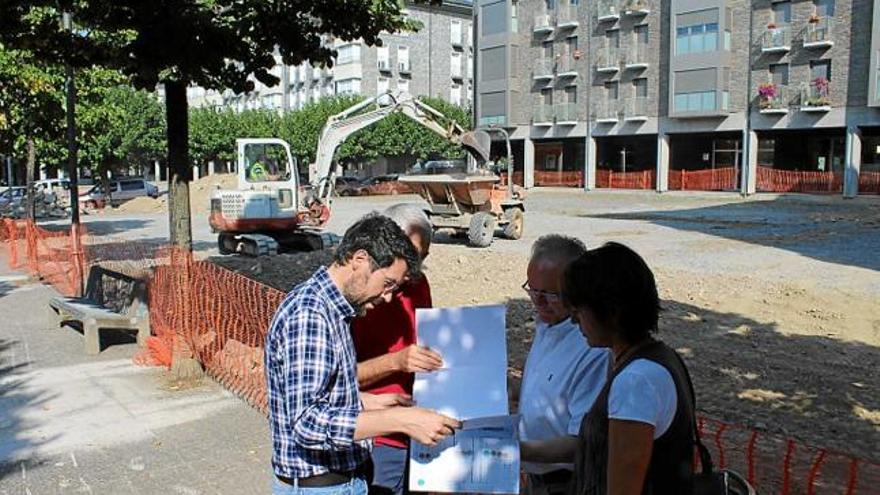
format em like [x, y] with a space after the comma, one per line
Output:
[70, 423]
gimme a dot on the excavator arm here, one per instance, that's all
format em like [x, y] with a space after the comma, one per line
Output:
[342, 125]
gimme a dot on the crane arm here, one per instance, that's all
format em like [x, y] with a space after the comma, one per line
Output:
[342, 125]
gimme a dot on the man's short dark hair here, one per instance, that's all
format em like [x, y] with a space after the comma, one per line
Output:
[382, 239]
[615, 283]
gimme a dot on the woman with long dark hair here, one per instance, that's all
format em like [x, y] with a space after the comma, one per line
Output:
[638, 437]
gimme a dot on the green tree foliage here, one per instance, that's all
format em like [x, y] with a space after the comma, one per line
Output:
[302, 128]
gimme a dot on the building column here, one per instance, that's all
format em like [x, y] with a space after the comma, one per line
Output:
[590, 164]
[749, 167]
[528, 163]
[230, 168]
[662, 162]
[853, 162]
[195, 172]
[158, 170]
[211, 167]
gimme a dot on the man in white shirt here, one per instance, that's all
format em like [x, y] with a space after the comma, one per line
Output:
[562, 376]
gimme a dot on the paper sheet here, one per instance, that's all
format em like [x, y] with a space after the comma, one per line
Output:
[482, 457]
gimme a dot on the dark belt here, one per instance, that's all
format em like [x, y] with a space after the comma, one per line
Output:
[326, 479]
[554, 477]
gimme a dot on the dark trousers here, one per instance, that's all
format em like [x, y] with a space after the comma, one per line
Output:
[390, 475]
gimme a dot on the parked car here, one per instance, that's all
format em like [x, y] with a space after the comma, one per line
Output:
[121, 190]
[385, 184]
[12, 197]
[438, 167]
[349, 186]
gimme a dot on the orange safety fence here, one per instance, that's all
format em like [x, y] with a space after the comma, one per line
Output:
[517, 178]
[203, 311]
[559, 179]
[806, 181]
[644, 179]
[56, 257]
[710, 179]
[869, 182]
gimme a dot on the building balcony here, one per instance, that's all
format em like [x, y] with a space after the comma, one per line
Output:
[819, 33]
[814, 96]
[566, 114]
[543, 70]
[607, 11]
[608, 61]
[773, 99]
[455, 39]
[607, 111]
[776, 39]
[566, 16]
[636, 109]
[637, 57]
[542, 24]
[566, 68]
[404, 67]
[383, 65]
[636, 7]
[542, 115]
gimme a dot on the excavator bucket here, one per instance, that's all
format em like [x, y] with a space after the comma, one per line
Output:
[478, 144]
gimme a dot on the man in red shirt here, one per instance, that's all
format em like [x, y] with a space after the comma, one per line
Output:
[387, 353]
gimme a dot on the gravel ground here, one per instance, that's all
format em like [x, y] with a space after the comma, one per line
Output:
[772, 300]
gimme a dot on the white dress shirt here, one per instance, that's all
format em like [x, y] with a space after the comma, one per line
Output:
[562, 377]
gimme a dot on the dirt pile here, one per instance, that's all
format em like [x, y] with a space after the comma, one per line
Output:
[199, 196]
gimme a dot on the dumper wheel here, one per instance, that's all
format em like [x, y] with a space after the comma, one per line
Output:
[481, 230]
[513, 229]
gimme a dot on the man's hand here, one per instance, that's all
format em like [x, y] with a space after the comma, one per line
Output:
[374, 402]
[426, 426]
[417, 359]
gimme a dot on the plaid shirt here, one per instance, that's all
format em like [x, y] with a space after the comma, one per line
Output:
[312, 376]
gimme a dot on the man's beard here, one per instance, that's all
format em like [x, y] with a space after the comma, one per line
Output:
[351, 292]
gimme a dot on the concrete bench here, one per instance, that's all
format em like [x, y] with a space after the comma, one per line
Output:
[112, 301]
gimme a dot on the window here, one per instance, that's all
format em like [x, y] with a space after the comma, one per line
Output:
[824, 8]
[493, 64]
[403, 58]
[493, 108]
[455, 94]
[779, 74]
[696, 91]
[494, 17]
[611, 91]
[382, 58]
[547, 96]
[316, 92]
[551, 4]
[571, 95]
[514, 22]
[382, 85]
[641, 34]
[640, 87]
[403, 85]
[612, 38]
[470, 65]
[455, 65]
[455, 32]
[131, 185]
[548, 50]
[571, 44]
[782, 12]
[345, 86]
[697, 32]
[820, 68]
[348, 54]
[469, 32]
[728, 22]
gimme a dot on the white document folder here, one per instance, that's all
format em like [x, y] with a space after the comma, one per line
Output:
[482, 457]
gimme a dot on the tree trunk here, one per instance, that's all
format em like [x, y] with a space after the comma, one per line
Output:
[31, 170]
[179, 171]
[183, 364]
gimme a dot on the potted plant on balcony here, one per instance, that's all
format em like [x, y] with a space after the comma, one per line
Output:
[820, 97]
[767, 93]
[771, 25]
[636, 5]
[814, 18]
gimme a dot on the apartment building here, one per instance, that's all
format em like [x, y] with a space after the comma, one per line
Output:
[435, 61]
[748, 95]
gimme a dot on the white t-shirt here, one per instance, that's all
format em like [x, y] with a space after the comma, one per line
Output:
[562, 377]
[645, 392]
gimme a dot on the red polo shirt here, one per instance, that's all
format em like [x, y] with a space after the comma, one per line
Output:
[388, 328]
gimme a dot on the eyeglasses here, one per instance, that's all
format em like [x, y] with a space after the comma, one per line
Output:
[550, 297]
[391, 285]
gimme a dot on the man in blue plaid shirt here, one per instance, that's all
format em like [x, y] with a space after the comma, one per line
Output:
[321, 425]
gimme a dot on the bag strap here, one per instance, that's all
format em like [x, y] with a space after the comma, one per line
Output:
[705, 458]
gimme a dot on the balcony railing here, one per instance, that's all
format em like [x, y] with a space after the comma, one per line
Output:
[566, 113]
[566, 16]
[607, 111]
[543, 69]
[384, 65]
[455, 37]
[403, 67]
[636, 109]
[636, 7]
[566, 67]
[814, 96]
[637, 56]
[542, 114]
[775, 100]
[776, 39]
[608, 10]
[819, 32]
[542, 24]
[608, 60]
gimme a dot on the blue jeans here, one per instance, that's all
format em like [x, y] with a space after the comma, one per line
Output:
[389, 471]
[357, 486]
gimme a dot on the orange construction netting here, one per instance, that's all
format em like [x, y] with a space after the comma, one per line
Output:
[644, 179]
[710, 179]
[804, 181]
[203, 311]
